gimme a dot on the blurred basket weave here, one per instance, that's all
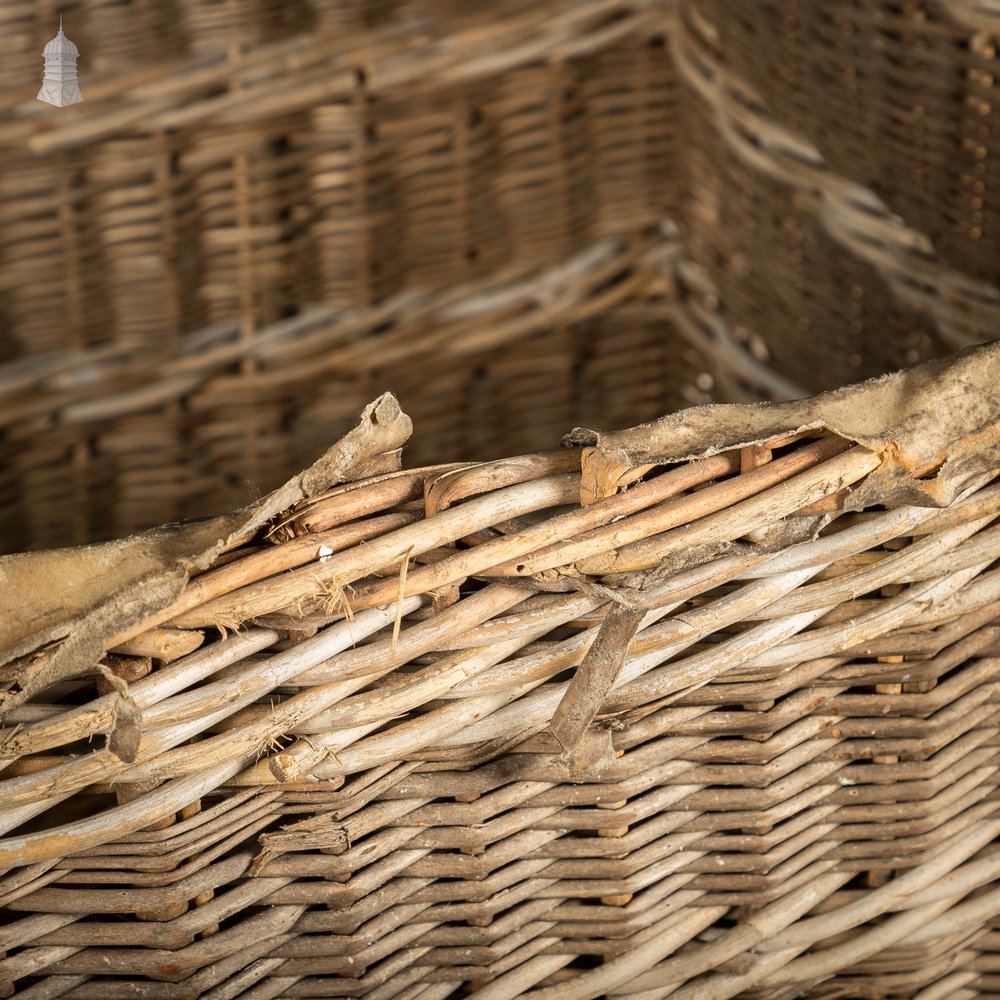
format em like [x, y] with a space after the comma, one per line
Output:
[383, 177]
[265, 213]
[699, 710]
[844, 192]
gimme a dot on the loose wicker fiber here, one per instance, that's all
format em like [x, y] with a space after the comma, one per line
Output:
[703, 709]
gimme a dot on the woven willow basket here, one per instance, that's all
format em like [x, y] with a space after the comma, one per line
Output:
[703, 709]
[284, 208]
[842, 176]
[267, 212]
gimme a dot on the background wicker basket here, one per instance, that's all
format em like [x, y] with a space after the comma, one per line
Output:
[844, 192]
[263, 214]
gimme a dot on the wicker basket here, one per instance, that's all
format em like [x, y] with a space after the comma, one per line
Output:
[209, 266]
[280, 209]
[698, 710]
[703, 709]
[842, 176]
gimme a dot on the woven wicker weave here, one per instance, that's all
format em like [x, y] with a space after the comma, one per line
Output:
[703, 709]
[897, 96]
[843, 195]
[261, 172]
[699, 710]
[202, 264]
[183, 433]
[304, 160]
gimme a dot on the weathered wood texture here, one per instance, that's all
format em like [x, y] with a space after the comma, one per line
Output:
[558, 725]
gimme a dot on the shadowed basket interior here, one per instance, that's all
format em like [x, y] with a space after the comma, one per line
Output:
[602, 721]
[265, 213]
